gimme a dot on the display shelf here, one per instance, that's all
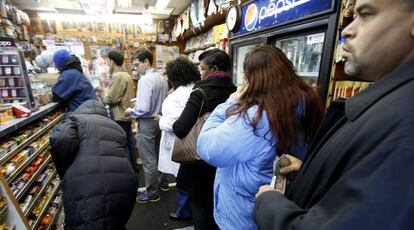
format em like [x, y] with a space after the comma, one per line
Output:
[3, 211]
[42, 212]
[10, 65]
[215, 19]
[13, 216]
[16, 124]
[199, 48]
[27, 162]
[30, 182]
[36, 198]
[55, 218]
[17, 87]
[29, 140]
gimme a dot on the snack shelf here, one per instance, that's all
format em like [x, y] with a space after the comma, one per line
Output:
[49, 200]
[3, 211]
[55, 217]
[30, 182]
[27, 162]
[36, 198]
[16, 124]
[28, 141]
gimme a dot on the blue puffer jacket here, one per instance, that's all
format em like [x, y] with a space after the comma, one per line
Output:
[244, 160]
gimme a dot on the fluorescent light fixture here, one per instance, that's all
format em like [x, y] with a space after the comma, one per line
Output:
[124, 3]
[162, 4]
[113, 18]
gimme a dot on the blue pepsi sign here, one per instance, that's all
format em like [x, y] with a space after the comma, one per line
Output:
[261, 14]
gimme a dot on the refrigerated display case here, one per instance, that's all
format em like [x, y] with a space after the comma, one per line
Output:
[305, 52]
[304, 30]
[14, 80]
[239, 53]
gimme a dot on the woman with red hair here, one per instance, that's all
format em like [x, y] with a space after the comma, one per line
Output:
[276, 112]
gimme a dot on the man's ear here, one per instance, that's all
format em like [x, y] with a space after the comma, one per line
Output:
[146, 61]
[412, 23]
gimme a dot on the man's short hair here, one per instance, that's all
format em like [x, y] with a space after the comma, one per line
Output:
[143, 53]
[116, 56]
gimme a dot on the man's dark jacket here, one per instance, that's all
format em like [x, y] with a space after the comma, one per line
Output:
[99, 184]
[359, 171]
[73, 87]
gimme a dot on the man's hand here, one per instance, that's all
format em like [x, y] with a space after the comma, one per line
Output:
[294, 167]
[129, 111]
[264, 188]
[157, 118]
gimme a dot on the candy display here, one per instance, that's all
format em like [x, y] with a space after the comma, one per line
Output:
[30, 173]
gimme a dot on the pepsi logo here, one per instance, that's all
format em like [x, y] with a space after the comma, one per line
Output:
[5, 43]
[252, 14]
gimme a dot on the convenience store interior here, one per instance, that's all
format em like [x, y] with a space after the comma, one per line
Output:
[32, 30]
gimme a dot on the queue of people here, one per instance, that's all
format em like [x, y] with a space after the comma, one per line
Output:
[349, 168]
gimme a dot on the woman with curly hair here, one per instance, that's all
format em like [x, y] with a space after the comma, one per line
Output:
[276, 112]
[182, 75]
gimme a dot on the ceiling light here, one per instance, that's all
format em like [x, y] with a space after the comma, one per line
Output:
[98, 7]
[124, 3]
[113, 18]
[162, 4]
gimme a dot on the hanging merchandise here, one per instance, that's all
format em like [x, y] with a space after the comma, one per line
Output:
[201, 12]
[212, 8]
[194, 13]
[3, 11]
[186, 20]
[178, 27]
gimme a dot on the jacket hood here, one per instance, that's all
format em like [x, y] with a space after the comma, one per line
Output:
[91, 107]
[218, 74]
[73, 63]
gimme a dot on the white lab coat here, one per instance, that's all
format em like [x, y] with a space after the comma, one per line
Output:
[172, 107]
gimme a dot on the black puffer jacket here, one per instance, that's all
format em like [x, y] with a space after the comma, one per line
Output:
[99, 184]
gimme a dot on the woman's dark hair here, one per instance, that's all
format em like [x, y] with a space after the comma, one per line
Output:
[143, 53]
[182, 71]
[276, 89]
[116, 56]
[216, 57]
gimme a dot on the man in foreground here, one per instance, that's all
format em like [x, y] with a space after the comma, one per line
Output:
[358, 172]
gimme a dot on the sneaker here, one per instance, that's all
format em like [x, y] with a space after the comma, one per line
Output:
[143, 198]
[165, 188]
[174, 216]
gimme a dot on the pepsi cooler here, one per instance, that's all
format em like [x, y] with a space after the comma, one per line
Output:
[304, 29]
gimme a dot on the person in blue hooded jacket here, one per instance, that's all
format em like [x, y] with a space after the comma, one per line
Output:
[275, 112]
[72, 87]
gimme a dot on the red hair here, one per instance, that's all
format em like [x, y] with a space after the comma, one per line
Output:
[275, 88]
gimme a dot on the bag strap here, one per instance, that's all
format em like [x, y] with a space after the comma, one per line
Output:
[203, 102]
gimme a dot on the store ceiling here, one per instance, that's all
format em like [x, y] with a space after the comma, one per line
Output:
[175, 7]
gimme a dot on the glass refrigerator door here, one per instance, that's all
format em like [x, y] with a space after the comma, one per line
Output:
[305, 52]
[241, 53]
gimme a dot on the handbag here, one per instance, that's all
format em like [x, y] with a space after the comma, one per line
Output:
[185, 150]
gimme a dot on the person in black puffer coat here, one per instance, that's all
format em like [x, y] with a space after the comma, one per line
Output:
[99, 183]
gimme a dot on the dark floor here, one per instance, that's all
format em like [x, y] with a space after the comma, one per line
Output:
[154, 216]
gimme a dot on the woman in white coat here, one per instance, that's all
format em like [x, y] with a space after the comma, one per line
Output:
[182, 74]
